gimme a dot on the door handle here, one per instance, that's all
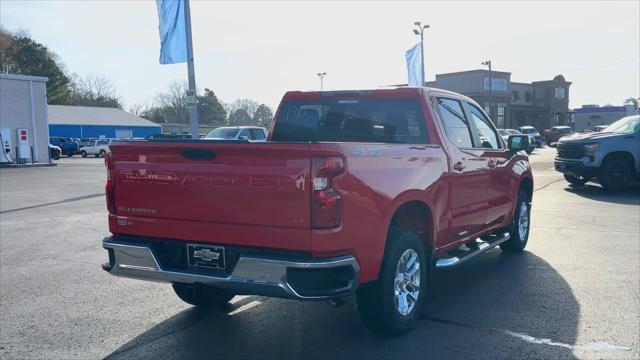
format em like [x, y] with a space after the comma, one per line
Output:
[492, 163]
[459, 166]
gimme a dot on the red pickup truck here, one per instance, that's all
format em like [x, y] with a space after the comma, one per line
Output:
[355, 192]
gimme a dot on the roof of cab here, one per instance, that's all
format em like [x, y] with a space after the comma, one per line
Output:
[398, 92]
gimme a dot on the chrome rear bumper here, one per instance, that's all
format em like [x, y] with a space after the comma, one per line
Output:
[251, 275]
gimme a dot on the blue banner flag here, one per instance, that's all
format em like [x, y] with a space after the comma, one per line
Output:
[414, 65]
[173, 37]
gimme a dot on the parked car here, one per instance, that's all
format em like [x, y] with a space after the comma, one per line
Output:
[356, 192]
[69, 147]
[532, 143]
[530, 130]
[251, 133]
[87, 141]
[612, 156]
[97, 148]
[551, 136]
[55, 152]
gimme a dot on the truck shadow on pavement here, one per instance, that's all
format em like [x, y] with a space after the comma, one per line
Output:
[497, 306]
[627, 196]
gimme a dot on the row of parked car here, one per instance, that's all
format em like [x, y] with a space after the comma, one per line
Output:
[59, 146]
[98, 147]
[535, 140]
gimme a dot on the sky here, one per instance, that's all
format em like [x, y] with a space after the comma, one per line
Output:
[260, 50]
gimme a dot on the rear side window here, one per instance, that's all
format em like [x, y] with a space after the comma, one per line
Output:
[340, 120]
[257, 134]
[455, 123]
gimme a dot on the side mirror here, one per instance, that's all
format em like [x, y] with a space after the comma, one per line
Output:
[516, 143]
[244, 138]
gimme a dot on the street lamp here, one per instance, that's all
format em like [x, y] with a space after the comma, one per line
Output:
[488, 63]
[420, 31]
[321, 76]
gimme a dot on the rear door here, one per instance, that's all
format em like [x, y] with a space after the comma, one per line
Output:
[215, 191]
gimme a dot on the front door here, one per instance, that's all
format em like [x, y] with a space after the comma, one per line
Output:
[469, 176]
[494, 151]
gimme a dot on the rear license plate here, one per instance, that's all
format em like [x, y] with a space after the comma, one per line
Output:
[206, 256]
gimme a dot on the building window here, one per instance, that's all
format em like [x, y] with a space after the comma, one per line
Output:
[559, 93]
[515, 96]
[497, 84]
[527, 96]
[500, 117]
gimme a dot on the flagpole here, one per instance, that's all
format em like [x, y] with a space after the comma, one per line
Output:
[190, 67]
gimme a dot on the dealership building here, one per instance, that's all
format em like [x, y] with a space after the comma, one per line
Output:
[589, 116]
[541, 104]
[98, 122]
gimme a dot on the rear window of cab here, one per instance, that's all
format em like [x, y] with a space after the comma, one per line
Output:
[397, 121]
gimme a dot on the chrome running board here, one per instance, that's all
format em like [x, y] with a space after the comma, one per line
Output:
[460, 256]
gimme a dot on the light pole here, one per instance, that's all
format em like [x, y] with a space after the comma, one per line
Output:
[420, 31]
[488, 63]
[321, 76]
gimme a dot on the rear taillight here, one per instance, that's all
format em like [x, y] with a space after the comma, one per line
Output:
[325, 202]
[109, 190]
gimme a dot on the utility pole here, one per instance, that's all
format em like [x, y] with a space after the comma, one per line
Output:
[193, 110]
[321, 76]
[488, 63]
[420, 31]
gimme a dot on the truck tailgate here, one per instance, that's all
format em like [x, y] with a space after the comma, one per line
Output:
[214, 191]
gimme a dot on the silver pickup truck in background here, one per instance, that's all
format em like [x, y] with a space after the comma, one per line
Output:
[612, 156]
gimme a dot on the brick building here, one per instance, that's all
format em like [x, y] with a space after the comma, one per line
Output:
[541, 104]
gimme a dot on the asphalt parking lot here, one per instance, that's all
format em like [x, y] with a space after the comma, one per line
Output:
[575, 292]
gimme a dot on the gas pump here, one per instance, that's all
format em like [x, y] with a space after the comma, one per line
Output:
[24, 151]
[5, 146]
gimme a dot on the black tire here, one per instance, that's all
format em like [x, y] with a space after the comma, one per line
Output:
[202, 296]
[102, 153]
[574, 180]
[376, 300]
[83, 153]
[97, 155]
[518, 241]
[615, 174]
[70, 155]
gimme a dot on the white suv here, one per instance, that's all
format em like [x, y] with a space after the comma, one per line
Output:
[250, 133]
[97, 148]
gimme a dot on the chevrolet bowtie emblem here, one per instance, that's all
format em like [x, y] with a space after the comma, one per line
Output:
[206, 255]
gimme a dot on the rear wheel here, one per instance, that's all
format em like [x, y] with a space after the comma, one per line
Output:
[519, 228]
[615, 174]
[102, 153]
[203, 296]
[575, 180]
[392, 304]
[83, 153]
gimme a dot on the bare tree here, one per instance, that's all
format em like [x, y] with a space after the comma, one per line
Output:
[248, 105]
[93, 90]
[173, 104]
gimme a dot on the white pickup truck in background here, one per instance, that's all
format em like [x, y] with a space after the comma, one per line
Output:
[97, 148]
